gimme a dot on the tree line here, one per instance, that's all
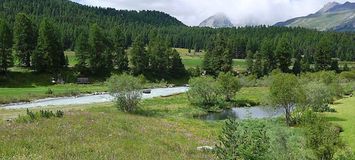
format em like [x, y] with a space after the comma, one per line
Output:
[97, 53]
[72, 18]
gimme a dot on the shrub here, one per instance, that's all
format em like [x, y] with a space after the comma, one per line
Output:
[204, 92]
[229, 84]
[243, 140]
[318, 96]
[49, 91]
[33, 116]
[127, 91]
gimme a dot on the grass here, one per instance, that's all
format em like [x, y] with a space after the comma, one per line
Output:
[162, 129]
[345, 117]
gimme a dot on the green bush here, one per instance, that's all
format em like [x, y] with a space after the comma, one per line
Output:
[204, 92]
[229, 85]
[127, 91]
[49, 91]
[243, 140]
[318, 96]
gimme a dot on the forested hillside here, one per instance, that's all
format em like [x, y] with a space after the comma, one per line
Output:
[73, 17]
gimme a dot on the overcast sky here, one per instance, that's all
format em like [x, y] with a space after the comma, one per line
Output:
[241, 12]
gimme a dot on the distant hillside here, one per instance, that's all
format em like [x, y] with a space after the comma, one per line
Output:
[332, 17]
[219, 20]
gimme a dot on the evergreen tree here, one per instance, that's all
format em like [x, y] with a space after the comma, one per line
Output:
[346, 67]
[24, 39]
[258, 65]
[158, 57]
[49, 54]
[297, 66]
[177, 69]
[119, 55]
[283, 54]
[6, 59]
[100, 61]
[335, 65]
[250, 61]
[218, 57]
[267, 51]
[82, 51]
[139, 57]
[323, 54]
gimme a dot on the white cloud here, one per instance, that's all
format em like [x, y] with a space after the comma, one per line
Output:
[241, 12]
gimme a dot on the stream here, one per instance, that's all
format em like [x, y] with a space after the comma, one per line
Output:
[89, 99]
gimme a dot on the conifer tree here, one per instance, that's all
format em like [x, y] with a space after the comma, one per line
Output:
[283, 54]
[139, 58]
[323, 54]
[24, 39]
[6, 59]
[120, 58]
[49, 54]
[177, 68]
[82, 51]
[258, 65]
[100, 59]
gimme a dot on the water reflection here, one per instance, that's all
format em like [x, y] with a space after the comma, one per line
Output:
[245, 113]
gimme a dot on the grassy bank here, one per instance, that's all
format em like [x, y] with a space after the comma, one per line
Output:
[345, 117]
[162, 129]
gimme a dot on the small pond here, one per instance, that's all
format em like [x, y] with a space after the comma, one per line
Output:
[245, 113]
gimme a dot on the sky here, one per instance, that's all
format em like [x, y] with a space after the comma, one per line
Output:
[241, 12]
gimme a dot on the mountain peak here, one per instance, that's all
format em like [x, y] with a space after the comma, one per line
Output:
[219, 20]
[328, 6]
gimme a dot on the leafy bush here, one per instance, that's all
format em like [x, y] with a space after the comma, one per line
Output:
[127, 91]
[348, 75]
[204, 92]
[229, 85]
[243, 140]
[318, 96]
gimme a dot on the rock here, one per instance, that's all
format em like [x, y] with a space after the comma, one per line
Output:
[205, 148]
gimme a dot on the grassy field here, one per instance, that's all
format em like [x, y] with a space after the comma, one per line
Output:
[162, 129]
[345, 117]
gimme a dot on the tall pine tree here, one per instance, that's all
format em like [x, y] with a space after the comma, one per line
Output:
[6, 59]
[49, 54]
[119, 56]
[25, 36]
[283, 54]
[82, 51]
[323, 54]
[100, 59]
[139, 56]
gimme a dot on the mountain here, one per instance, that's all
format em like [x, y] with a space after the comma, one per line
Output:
[219, 20]
[332, 17]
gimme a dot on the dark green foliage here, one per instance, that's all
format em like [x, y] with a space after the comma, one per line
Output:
[267, 51]
[100, 57]
[323, 54]
[176, 68]
[139, 57]
[297, 66]
[158, 51]
[49, 54]
[322, 137]
[243, 140]
[6, 59]
[120, 58]
[250, 61]
[283, 54]
[82, 52]
[218, 57]
[334, 66]
[25, 37]
[346, 67]
[258, 65]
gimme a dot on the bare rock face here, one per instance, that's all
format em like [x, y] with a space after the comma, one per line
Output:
[219, 20]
